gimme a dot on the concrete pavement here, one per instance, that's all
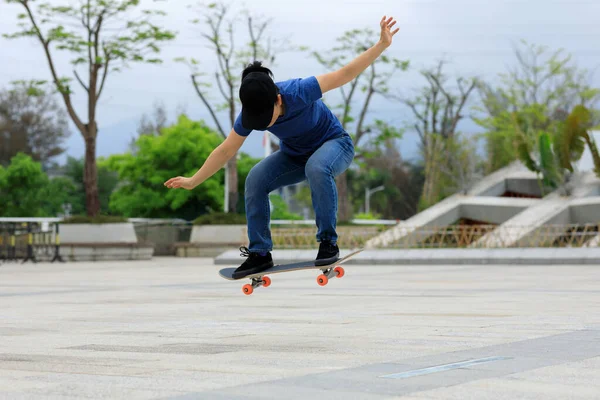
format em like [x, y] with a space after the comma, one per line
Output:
[170, 328]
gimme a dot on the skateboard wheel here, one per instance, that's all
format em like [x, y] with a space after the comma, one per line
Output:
[339, 271]
[247, 289]
[322, 280]
[266, 281]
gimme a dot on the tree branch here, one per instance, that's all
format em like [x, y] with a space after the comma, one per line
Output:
[365, 108]
[65, 95]
[80, 81]
[220, 86]
[463, 101]
[348, 100]
[94, 68]
[253, 40]
[231, 42]
[86, 23]
[104, 73]
[208, 106]
[413, 107]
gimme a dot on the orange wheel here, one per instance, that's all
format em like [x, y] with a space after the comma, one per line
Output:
[267, 281]
[340, 271]
[248, 289]
[322, 280]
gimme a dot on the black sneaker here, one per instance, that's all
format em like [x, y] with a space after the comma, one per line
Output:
[254, 264]
[328, 254]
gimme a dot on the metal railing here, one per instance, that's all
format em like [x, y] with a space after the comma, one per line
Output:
[496, 236]
[305, 238]
[27, 240]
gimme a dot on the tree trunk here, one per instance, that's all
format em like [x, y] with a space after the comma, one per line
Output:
[233, 184]
[432, 155]
[90, 177]
[344, 207]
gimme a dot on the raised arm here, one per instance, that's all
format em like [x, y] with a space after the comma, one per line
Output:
[215, 161]
[349, 72]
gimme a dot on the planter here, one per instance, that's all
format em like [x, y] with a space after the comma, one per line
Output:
[208, 250]
[102, 242]
[106, 251]
[212, 240]
[219, 234]
[98, 233]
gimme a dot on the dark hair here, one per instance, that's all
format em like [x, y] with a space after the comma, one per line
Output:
[256, 66]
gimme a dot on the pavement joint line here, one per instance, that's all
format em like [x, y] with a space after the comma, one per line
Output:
[444, 367]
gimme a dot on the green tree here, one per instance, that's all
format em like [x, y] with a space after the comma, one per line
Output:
[31, 122]
[464, 167]
[280, 209]
[354, 109]
[26, 191]
[58, 196]
[22, 188]
[541, 82]
[107, 182]
[551, 153]
[402, 182]
[177, 151]
[438, 109]
[103, 37]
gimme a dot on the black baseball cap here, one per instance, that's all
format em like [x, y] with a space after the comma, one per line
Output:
[258, 94]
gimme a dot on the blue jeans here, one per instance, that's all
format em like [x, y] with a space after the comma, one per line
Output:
[279, 170]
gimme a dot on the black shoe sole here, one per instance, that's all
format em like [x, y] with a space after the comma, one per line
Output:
[327, 261]
[251, 271]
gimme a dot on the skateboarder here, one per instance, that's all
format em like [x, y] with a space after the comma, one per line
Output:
[313, 147]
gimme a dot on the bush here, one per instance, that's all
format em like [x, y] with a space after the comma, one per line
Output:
[221, 219]
[367, 216]
[100, 219]
[280, 210]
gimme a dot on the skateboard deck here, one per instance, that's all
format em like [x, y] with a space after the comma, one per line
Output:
[260, 279]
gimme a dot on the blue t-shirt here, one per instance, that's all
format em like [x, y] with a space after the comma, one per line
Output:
[307, 122]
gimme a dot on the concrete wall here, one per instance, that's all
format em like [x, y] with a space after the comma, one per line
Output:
[530, 186]
[106, 253]
[98, 233]
[594, 191]
[585, 211]
[163, 236]
[494, 210]
[494, 184]
[219, 234]
[526, 185]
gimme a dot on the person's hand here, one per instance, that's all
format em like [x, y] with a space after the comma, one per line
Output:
[180, 182]
[386, 30]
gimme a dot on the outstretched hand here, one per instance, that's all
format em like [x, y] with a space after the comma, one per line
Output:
[180, 182]
[386, 30]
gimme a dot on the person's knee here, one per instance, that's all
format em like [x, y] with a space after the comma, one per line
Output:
[316, 171]
[254, 183]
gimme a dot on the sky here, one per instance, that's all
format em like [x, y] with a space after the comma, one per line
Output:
[476, 37]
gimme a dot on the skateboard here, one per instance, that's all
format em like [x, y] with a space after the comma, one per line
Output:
[260, 279]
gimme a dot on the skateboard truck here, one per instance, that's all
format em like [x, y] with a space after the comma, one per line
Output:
[323, 279]
[256, 282]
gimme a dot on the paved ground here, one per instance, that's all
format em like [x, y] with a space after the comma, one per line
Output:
[172, 329]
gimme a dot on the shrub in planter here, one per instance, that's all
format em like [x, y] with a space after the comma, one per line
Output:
[221, 219]
[100, 219]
